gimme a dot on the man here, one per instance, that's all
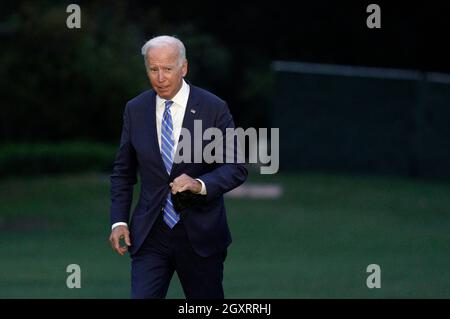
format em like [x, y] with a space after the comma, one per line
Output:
[160, 239]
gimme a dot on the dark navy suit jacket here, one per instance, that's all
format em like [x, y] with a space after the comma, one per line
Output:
[205, 223]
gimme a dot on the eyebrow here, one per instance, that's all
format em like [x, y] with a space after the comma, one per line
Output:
[162, 66]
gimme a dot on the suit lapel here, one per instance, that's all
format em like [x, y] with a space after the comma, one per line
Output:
[193, 109]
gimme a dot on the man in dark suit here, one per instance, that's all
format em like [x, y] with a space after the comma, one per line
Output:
[161, 240]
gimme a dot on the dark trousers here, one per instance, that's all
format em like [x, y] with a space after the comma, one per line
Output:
[168, 250]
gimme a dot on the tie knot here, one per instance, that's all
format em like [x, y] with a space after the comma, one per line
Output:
[168, 104]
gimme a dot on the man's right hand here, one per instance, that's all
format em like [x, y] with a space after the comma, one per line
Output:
[118, 233]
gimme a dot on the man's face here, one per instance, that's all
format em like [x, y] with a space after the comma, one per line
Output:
[164, 70]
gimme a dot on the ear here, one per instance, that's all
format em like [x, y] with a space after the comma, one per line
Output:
[184, 68]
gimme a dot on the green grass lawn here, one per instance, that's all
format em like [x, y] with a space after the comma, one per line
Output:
[314, 242]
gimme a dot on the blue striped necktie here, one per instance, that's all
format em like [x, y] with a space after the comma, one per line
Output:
[167, 152]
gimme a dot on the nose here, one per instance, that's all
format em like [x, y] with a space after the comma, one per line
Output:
[161, 76]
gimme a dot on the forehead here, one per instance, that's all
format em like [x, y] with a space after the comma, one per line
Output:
[166, 54]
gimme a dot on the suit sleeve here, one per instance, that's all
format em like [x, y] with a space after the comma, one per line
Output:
[124, 174]
[225, 176]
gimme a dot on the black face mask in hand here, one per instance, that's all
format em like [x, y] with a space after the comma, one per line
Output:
[186, 199]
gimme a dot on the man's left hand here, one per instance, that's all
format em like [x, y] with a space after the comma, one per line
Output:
[185, 183]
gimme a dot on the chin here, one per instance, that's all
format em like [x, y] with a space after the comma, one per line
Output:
[163, 95]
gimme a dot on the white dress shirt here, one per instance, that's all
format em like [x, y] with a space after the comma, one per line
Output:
[177, 110]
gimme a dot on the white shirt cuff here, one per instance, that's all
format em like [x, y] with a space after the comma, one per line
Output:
[203, 191]
[118, 224]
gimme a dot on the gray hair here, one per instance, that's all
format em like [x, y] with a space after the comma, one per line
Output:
[164, 40]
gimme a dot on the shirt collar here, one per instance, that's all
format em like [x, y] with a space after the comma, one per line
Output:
[181, 98]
